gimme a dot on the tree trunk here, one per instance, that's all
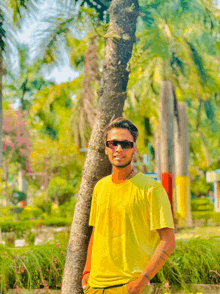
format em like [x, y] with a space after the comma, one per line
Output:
[1, 133]
[157, 155]
[112, 95]
[166, 106]
[6, 182]
[22, 186]
[183, 194]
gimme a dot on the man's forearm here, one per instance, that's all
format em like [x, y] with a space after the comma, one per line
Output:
[159, 258]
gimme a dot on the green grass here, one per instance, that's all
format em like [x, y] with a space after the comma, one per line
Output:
[203, 232]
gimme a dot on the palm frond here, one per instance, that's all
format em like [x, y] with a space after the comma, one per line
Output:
[198, 62]
[8, 40]
[24, 8]
[54, 25]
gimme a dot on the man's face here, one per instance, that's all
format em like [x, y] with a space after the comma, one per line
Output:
[120, 158]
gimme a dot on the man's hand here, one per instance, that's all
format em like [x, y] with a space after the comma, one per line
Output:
[85, 280]
[134, 287]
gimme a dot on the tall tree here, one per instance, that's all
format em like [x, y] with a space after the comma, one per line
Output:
[112, 95]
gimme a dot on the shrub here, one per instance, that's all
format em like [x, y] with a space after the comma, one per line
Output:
[7, 210]
[201, 204]
[59, 190]
[57, 222]
[67, 209]
[30, 237]
[30, 212]
[20, 227]
[10, 239]
[39, 201]
[216, 217]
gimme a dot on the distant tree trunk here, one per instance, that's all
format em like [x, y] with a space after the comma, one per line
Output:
[157, 155]
[6, 182]
[166, 105]
[183, 194]
[1, 133]
[112, 95]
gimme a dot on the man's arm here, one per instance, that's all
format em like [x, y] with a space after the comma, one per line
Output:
[87, 267]
[160, 256]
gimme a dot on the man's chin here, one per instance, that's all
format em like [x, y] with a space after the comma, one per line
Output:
[120, 166]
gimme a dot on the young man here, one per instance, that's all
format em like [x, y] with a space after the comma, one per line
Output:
[133, 230]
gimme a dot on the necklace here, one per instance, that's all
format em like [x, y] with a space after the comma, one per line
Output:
[130, 175]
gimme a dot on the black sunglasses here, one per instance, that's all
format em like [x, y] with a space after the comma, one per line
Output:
[124, 144]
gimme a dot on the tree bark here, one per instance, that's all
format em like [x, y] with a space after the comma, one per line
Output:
[1, 115]
[166, 107]
[183, 194]
[112, 95]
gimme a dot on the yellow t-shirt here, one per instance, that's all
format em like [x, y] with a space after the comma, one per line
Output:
[125, 217]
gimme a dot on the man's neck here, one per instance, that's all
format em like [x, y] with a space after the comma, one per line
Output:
[121, 175]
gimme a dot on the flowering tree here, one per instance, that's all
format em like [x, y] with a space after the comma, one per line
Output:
[16, 142]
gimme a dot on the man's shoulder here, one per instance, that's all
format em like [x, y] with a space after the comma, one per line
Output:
[144, 181]
[103, 181]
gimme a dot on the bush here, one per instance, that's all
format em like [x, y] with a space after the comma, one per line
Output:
[201, 204]
[216, 217]
[30, 237]
[30, 212]
[57, 222]
[10, 239]
[7, 210]
[67, 209]
[39, 201]
[21, 227]
[203, 215]
[59, 190]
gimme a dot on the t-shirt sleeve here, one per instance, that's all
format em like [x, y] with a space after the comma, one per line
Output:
[92, 218]
[160, 209]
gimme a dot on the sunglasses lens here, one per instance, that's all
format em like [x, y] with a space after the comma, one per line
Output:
[124, 144]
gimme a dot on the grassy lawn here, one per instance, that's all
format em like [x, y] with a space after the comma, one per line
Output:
[203, 232]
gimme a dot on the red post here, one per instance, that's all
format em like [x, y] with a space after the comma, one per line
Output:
[167, 182]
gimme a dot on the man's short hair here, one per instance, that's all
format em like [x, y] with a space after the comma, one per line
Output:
[121, 123]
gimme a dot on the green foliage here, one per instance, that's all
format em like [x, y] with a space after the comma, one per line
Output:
[57, 221]
[201, 204]
[10, 239]
[20, 227]
[199, 186]
[7, 211]
[59, 190]
[193, 262]
[30, 237]
[30, 212]
[39, 201]
[32, 267]
[67, 209]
